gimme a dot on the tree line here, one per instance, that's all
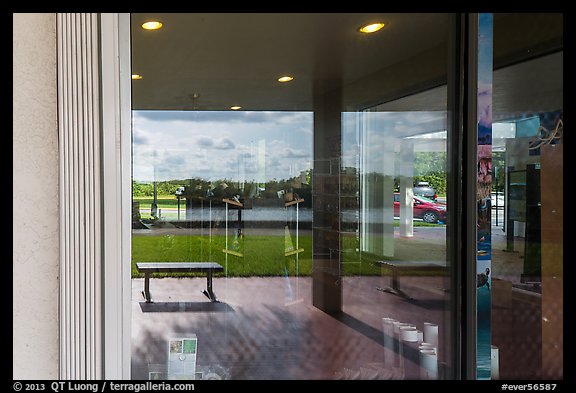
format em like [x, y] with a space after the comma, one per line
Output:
[428, 166]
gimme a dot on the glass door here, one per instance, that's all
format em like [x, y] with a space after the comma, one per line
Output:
[290, 209]
[526, 198]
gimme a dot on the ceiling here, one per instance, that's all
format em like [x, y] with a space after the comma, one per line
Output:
[214, 61]
[235, 59]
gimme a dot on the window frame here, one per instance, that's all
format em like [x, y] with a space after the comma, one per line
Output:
[115, 195]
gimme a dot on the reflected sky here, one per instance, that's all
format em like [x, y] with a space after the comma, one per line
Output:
[241, 146]
[261, 146]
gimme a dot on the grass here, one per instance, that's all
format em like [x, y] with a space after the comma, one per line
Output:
[261, 255]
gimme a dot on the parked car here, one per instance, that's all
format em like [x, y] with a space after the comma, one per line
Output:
[423, 208]
[422, 188]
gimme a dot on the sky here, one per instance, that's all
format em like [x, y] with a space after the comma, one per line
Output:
[261, 146]
[240, 146]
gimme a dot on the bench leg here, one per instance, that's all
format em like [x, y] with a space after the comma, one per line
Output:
[146, 292]
[395, 288]
[208, 291]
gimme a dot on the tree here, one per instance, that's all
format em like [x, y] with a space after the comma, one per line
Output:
[431, 167]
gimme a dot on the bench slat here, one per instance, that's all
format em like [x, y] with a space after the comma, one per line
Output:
[189, 267]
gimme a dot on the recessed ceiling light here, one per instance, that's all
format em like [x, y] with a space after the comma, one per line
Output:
[152, 25]
[371, 28]
[136, 77]
[286, 78]
[235, 107]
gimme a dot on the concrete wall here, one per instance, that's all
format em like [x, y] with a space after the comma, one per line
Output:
[35, 198]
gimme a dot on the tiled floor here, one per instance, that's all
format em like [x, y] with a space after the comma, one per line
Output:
[266, 327]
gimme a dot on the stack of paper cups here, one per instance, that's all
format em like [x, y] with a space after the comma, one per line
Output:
[420, 336]
[431, 333]
[424, 345]
[408, 333]
[495, 367]
[389, 353]
[408, 339]
[396, 340]
[398, 325]
[428, 363]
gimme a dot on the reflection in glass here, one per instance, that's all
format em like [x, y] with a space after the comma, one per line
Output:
[202, 191]
[527, 204]
[334, 263]
[400, 247]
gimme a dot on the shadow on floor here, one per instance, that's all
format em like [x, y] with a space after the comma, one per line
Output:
[361, 327]
[429, 304]
[185, 307]
[375, 335]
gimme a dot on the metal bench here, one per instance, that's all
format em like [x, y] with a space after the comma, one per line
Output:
[396, 266]
[179, 267]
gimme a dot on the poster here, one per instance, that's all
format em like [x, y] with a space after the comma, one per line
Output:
[182, 357]
[483, 198]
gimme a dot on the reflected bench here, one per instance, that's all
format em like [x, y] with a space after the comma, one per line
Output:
[179, 267]
[396, 266]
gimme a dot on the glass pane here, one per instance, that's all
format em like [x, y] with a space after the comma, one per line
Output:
[289, 197]
[401, 248]
[526, 202]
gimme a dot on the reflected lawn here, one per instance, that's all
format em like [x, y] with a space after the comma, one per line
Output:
[248, 256]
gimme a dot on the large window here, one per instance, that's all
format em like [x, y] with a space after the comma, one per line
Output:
[279, 150]
[291, 197]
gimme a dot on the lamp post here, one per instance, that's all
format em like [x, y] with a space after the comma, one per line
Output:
[178, 193]
[154, 208]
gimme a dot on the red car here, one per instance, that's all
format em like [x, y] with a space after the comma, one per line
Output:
[424, 208]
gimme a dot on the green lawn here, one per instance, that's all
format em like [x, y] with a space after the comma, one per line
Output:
[260, 255]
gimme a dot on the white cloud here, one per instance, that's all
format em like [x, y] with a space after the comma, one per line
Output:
[140, 137]
[224, 144]
[179, 145]
[204, 141]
